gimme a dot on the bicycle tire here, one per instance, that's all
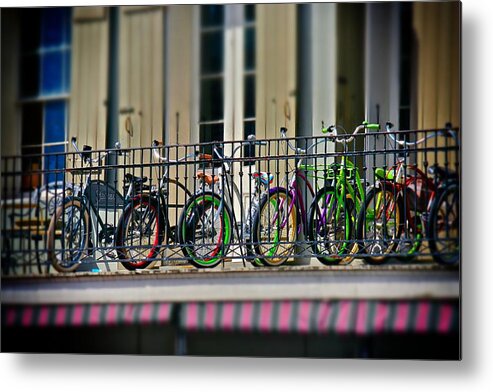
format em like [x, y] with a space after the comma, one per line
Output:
[270, 257]
[83, 233]
[378, 249]
[440, 222]
[335, 249]
[192, 227]
[153, 230]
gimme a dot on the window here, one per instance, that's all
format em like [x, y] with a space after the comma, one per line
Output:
[212, 73]
[227, 72]
[44, 86]
[406, 58]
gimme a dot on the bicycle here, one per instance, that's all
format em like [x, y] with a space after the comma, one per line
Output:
[207, 222]
[395, 214]
[144, 223]
[444, 223]
[332, 223]
[76, 230]
[275, 225]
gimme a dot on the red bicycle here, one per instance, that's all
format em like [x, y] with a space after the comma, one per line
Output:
[402, 207]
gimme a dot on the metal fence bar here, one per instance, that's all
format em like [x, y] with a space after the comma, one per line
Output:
[377, 196]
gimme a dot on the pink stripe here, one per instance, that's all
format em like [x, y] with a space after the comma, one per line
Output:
[265, 316]
[61, 312]
[27, 316]
[246, 316]
[422, 316]
[128, 313]
[145, 313]
[163, 312]
[210, 315]
[284, 316]
[324, 317]
[228, 311]
[192, 316]
[381, 314]
[304, 316]
[11, 313]
[43, 316]
[94, 312]
[445, 318]
[342, 325]
[361, 316]
[111, 314]
[401, 317]
[77, 315]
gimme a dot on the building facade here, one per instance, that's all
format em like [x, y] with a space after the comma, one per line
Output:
[194, 73]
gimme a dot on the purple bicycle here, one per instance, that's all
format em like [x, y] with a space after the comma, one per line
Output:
[281, 216]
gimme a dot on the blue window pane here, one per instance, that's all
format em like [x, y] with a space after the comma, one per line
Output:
[52, 74]
[55, 26]
[54, 131]
[54, 163]
[54, 121]
[66, 71]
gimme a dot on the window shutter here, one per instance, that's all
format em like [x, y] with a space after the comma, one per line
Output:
[141, 75]
[87, 116]
[276, 69]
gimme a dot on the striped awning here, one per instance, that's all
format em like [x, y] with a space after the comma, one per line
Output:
[75, 315]
[361, 317]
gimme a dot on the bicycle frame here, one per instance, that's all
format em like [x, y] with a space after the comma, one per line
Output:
[397, 180]
[227, 195]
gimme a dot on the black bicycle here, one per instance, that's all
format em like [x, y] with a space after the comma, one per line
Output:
[144, 224]
[77, 233]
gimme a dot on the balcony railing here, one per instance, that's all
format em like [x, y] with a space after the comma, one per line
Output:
[375, 195]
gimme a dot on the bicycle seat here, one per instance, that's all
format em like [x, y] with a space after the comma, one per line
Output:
[264, 177]
[136, 180]
[208, 178]
[441, 173]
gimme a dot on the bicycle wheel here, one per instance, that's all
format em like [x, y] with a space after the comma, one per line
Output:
[274, 228]
[68, 236]
[247, 236]
[140, 233]
[411, 238]
[205, 229]
[444, 226]
[330, 226]
[380, 224]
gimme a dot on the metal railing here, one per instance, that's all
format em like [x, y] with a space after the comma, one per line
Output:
[376, 195]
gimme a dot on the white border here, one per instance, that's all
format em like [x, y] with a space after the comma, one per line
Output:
[473, 373]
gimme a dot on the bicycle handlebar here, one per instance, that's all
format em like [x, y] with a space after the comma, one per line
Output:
[447, 132]
[85, 154]
[332, 131]
[156, 144]
[250, 140]
[297, 150]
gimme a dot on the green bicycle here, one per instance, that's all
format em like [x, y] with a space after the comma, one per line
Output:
[336, 205]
